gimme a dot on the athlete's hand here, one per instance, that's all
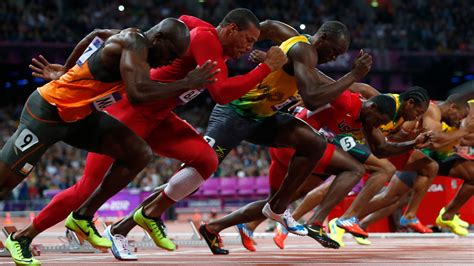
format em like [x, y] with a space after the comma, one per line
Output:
[275, 58]
[43, 69]
[202, 75]
[257, 56]
[423, 140]
[362, 65]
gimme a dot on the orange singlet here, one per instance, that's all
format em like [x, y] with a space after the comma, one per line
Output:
[76, 91]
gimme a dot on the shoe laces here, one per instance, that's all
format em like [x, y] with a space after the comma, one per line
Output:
[24, 247]
[160, 226]
[91, 225]
[124, 245]
[289, 219]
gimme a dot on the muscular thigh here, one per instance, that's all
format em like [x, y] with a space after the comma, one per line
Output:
[103, 134]
[40, 127]
[463, 169]
[227, 129]
[176, 138]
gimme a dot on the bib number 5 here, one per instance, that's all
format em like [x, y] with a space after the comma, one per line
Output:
[347, 143]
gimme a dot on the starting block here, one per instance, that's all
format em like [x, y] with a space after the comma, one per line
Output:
[8, 230]
[73, 243]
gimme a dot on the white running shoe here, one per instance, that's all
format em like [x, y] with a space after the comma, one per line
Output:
[285, 219]
[120, 247]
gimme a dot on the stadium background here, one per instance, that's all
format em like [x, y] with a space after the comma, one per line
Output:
[425, 43]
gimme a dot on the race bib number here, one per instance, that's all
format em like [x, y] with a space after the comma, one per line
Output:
[26, 140]
[347, 143]
[189, 95]
[93, 46]
[277, 107]
[210, 141]
[106, 101]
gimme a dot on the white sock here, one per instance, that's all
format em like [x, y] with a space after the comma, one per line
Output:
[183, 183]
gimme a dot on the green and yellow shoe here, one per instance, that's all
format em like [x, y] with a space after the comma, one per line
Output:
[155, 229]
[362, 241]
[87, 230]
[452, 225]
[20, 251]
[336, 233]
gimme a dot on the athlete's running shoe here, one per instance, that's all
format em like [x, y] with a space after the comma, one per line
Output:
[246, 236]
[460, 221]
[286, 219]
[415, 225]
[456, 218]
[155, 228]
[452, 225]
[87, 230]
[316, 232]
[362, 241]
[351, 225]
[120, 247]
[213, 241]
[336, 233]
[20, 251]
[280, 235]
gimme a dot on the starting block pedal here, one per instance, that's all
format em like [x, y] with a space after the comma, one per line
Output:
[3, 251]
[74, 243]
[194, 226]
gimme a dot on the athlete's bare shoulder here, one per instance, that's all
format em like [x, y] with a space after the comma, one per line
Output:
[304, 53]
[128, 38]
[433, 112]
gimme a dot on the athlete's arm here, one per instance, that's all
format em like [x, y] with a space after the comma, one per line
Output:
[135, 72]
[365, 90]
[382, 148]
[103, 34]
[314, 91]
[47, 71]
[433, 122]
[276, 31]
[205, 46]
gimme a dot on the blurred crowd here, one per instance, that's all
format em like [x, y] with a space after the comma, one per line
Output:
[63, 165]
[415, 25]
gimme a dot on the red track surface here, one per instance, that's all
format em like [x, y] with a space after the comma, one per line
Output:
[298, 250]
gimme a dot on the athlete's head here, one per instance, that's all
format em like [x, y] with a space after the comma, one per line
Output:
[238, 31]
[168, 40]
[454, 110]
[331, 40]
[414, 103]
[378, 110]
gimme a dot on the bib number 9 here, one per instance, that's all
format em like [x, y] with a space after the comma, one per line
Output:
[26, 140]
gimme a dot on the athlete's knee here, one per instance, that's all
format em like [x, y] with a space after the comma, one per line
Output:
[206, 163]
[430, 169]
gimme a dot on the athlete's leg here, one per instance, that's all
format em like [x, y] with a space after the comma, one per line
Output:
[309, 148]
[348, 173]
[175, 138]
[96, 167]
[465, 170]
[427, 170]
[312, 199]
[381, 170]
[385, 211]
[399, 186]
[114, 139]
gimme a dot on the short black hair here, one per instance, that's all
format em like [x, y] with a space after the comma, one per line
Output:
[242, 17]
[335, 29]
[417, 94]
[385, 105]
[459, 100]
